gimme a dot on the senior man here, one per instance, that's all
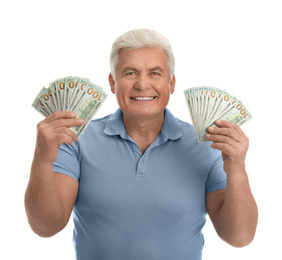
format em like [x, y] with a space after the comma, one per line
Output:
[138, 182]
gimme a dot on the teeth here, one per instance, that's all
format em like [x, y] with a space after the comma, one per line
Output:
[142, 98]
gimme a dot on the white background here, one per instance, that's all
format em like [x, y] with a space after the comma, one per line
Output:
[232, 45]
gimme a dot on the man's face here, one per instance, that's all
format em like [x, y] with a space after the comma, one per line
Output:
[142, 82]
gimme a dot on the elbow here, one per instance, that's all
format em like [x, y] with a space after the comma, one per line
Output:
[44, 227]
[43, 224]
[240, 240]
[240, 243]
[240, 235]
[44, 233]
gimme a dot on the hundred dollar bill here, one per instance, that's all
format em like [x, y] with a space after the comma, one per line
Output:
[196, 100]
[54, 91]
[222, 102]
[211, 101]
[238, 115]
[74, 99]
[71, 94]
[208, 104]
[38, 105]
[90, 101]
[60, 85]
[70, 87]
[47, 99]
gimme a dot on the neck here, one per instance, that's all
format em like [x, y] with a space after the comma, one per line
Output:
[144, 129]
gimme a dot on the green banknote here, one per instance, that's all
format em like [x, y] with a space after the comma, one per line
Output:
[208, 104]
[71, 94]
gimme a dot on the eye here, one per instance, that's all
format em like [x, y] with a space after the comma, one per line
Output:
[155, 74]
[131, 74]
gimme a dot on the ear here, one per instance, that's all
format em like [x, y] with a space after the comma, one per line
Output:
[112, 83]
[172, 84]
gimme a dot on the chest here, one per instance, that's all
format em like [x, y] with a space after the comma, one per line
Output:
[162, 182]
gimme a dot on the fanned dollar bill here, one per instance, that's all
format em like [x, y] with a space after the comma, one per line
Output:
[71, 94]
[208, 104]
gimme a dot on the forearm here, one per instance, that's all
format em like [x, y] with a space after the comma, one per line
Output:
[44, 207]
[238, 215]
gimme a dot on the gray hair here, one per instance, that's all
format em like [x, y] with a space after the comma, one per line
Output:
[140, 38]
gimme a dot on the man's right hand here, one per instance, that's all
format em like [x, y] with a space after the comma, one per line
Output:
[50, 197]
[52, 132]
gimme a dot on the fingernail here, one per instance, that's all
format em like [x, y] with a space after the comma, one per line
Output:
[211, 129]
[218, 122]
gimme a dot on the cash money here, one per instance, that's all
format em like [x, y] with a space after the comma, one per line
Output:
[37, 103]
[208, 104]
[71, 94]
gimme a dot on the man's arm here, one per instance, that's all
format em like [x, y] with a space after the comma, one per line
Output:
[49, 196]
[233, 211]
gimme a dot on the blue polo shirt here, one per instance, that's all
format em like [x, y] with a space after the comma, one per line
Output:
[140, 207]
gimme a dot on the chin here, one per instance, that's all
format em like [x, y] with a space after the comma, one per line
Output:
[147, 112]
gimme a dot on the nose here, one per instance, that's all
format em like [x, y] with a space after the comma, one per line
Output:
[142, 82]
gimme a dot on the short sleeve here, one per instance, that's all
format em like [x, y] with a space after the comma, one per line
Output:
[68, 161]
[216, 179]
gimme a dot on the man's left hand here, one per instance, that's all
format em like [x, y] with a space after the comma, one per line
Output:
[232, 142]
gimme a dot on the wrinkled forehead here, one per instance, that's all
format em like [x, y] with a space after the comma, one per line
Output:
[147, 56]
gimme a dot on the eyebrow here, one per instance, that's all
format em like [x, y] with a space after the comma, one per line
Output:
[158, 68]
[129, 68]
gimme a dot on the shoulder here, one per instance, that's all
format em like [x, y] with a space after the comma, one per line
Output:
[189, 140]
[185, 126]
[187, 131]
[98, 124]
[93, 136]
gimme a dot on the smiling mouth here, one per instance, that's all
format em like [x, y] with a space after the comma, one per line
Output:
[143, 98]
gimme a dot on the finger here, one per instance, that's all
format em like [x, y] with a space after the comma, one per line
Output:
[66, 122]
[223, 139]
[53, 136]
[225, 148]
[231, 132]
[226, 124]
[63, 138]
[60, 115]
[67, 131]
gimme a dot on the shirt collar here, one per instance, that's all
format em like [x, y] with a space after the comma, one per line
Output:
[115, 125]
[170, 130]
